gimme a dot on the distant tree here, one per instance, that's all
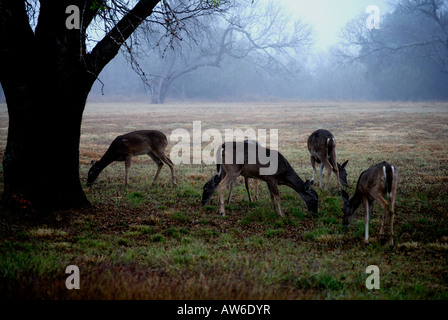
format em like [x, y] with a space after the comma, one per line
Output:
[47, 70]
[264, 36]
[407, 58]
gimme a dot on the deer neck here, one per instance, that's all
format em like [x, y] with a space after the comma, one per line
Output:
[105, 160]
[293, 181]
[356, 200]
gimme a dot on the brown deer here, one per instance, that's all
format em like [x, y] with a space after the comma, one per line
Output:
[212, 185]
[322, 146]
[252, 165]
[124, 147]
[380, 179]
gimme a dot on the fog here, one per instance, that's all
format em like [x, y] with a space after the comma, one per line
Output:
[289, 49]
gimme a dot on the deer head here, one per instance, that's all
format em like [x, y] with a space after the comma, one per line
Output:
[210, 188]
[343, 174]
[94, 171]
[310, 197]
[348, 209]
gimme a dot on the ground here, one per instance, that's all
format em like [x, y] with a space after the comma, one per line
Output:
[158, 242]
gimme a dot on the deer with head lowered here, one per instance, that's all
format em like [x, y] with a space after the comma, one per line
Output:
[212, 185]
[322, 146]
[135, 143]
[375, 182]
[250, 164]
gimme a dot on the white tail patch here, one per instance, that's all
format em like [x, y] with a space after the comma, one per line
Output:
[384, 173]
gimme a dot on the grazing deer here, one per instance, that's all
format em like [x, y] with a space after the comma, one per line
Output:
[124, 147]
[212, 185]
[373, 183]
[322, 146]
[283, 175]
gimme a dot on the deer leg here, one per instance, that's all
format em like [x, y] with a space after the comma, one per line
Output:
[366, 220]
[384, 204]
[127, 165]
[162, 156]
[329, 172]
[391, 240]
[246, 183]
[392, 211]
[271, 195]
[383, 217]
[313, 163]
[269, 190]
[338, 183]
[325, 163]
[255, 189]
[275, 195]
[231, 191]
[228, 179]
[320, 176]
[159, 164]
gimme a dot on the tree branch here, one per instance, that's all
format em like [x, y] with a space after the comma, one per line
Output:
[108, 47]
[15, 29]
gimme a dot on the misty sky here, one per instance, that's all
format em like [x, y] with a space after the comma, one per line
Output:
[329, 16]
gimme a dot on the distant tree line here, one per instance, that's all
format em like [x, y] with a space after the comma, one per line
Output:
[406, 59]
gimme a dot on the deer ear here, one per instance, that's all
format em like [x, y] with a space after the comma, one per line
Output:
[344, 164]
[344, 195]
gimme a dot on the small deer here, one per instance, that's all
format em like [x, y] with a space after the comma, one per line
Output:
[322, 146]
[380, 179]
[283, 175]
[212, 185]
[124, 147]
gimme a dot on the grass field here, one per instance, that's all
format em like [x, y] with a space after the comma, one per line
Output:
[143, 242]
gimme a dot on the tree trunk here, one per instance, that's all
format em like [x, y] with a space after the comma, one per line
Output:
[46, 97]
[166, 78]
[41, 161]
[159, 95]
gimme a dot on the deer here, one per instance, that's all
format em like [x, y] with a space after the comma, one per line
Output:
[379, 180]
[135, 143]
[212, 185]
[322, 147]
[283, 174]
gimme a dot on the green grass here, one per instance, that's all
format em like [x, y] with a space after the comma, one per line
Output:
[143, 242]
